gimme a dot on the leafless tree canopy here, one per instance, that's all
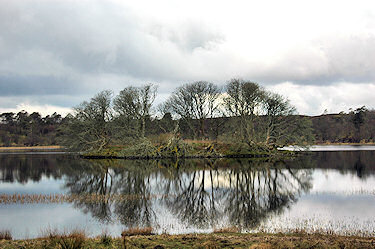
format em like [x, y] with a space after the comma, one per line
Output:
[244, 113]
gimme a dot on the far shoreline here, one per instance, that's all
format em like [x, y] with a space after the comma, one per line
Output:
[32, 148]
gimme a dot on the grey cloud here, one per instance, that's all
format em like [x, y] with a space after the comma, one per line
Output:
[37, 85]
[66, 101]
[326, 61]
[91, 40]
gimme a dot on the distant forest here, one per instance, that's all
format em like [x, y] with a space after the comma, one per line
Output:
[25, 129]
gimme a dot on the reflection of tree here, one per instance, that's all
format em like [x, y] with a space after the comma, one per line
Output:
[255, 193]
[135, 210]
[96, 182]
[245, 195]
[120, 192]
[195, 203]
[359, 167]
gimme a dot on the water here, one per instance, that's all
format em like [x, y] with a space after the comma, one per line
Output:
[318, 191]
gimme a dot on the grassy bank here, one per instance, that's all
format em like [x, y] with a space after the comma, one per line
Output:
[214, 240]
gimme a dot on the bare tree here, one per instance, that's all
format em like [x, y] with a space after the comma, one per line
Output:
[147, 97]
[88, 128]
[194, 102]
[126, 103]
[280, 123]
[127, 107]
[134, 104]
[242, 102]
[275, 108]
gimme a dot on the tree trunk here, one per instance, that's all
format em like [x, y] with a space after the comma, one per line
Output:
[143, 129]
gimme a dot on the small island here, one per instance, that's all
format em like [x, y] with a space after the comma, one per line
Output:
[198, 120]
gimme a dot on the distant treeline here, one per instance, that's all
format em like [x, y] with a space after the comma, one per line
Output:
[17, 130]
[243, 113]
[354, 127]
[25, 129]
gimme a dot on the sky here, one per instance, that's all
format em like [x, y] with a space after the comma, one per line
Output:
[54, 54]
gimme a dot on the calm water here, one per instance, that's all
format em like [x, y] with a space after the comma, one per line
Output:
[317, 191]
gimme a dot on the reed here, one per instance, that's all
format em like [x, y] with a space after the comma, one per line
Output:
[5, 235]
[62, 198]
[73, 240]
[106, 239]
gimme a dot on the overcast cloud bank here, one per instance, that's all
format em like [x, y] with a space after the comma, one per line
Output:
[58, 53]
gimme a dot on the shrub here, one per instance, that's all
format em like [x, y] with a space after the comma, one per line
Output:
[175, 148]
[144, 148]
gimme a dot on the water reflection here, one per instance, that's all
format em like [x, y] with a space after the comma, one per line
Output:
[360, 162]
[245, 195]
[24, 168]
[198, 193]
[198, 198]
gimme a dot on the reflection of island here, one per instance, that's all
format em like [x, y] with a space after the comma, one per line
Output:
[245, 194]
[198, 193]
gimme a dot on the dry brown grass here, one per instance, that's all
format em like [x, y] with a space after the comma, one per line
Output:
[52, 238]
[226, 230]
[61, 198]
[261, 246]
[211, 244]
[133, 231]
[73, 240]
[52, 147]
[5, 235]
[50, 233]
[204, 241]
[137, 231]
[105, 238]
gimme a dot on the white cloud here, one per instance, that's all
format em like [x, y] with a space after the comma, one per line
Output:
[314, 100]
[44, 110]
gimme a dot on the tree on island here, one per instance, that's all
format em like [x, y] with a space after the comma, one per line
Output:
[88, 128]
[197, 101]
[133, 107]
[248, 113]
